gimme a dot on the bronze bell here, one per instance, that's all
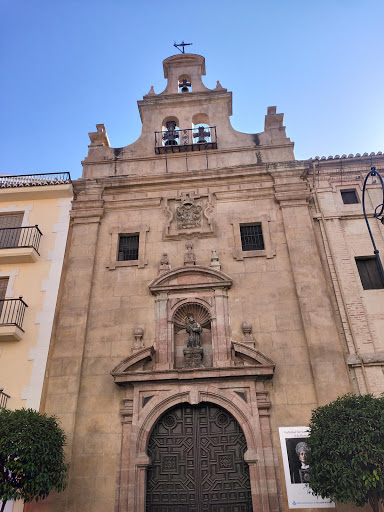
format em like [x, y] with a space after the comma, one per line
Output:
[185, 85]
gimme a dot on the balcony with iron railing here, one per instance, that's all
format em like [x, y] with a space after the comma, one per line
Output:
[3, 399]
[20, 244]
[12, 313]
[192, 139]
[57, 184]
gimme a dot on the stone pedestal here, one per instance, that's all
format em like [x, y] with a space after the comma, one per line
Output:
[193, 357]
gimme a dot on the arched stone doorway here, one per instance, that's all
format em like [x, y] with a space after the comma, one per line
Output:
[197, 462]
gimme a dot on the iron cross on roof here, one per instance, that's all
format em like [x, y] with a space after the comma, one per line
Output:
[183, 45]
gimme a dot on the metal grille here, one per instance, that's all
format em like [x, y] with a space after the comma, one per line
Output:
[189, 139]
[3, 399]
[349, 196]
[12, 312]
[28, 236]
[128, 247]
[197, 462]
[252, 237]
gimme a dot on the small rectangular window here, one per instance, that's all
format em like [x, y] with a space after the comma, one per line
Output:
[128, 247]
[369, 273]
[349, 196]
[251, 237]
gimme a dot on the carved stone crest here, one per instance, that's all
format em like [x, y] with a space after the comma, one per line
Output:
[188, 214]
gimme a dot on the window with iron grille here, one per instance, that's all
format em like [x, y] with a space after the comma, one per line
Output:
[128, 247]
[349, 196]
[251, 237]
[369, 273]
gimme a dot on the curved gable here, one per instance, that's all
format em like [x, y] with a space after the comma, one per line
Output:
[190, 278]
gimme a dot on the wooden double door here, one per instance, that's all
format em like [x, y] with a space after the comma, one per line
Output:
[197, 462]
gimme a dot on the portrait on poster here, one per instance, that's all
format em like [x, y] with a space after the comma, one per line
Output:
[293, 441]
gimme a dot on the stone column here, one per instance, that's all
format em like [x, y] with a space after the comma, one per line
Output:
[324, 346]
[64, 366]
[162, 343]
[220, 334]
[123, 486]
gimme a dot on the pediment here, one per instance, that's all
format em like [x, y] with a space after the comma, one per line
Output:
[189, 278]
[133, 361]
[252, 355]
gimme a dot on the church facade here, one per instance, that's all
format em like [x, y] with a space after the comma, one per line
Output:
[207, 301]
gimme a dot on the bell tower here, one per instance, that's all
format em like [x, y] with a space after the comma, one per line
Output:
[185, 67]
[187, 127]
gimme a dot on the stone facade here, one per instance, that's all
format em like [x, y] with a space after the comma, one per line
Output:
[343, 236]
[278, 336]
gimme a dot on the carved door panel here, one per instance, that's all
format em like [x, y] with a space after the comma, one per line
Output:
[197, 462]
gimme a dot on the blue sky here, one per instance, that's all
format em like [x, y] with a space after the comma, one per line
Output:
[66, 66]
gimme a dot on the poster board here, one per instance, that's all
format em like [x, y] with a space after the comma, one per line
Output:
[296, 471]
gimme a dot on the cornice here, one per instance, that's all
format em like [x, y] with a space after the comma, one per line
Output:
[186, 374]
[178, 99]
[191, 154]
[295, 169]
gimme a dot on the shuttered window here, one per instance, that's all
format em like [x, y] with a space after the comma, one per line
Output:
[3, 287]
[251, 237]
[128, 247]
[369, 273]
[349, 196]
[3, 291]
[9, 235]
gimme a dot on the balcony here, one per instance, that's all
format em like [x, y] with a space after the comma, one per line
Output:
[178, 141]
[3, 399]
[11, 319]
[57, 184]
[19, 245]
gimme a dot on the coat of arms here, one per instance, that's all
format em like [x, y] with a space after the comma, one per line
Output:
[188, 214]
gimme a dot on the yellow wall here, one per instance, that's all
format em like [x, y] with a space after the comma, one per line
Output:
[20, 360]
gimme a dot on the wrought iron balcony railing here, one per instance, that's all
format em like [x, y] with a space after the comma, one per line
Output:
[28, 236]
[3, 399]
[12, 312]
[35, 180]
[192, 139]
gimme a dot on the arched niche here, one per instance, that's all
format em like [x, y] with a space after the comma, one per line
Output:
[201, 129]
[202, 316]
[191, 284]
[200, 118]
[171, 131]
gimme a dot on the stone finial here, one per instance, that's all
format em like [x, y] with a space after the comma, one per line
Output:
[247, 333]
[138, 333]
[215, 263]
[189, 256]
[99, 138]
[164, 264]
[273, 120]
[151, 91]
[219, 87]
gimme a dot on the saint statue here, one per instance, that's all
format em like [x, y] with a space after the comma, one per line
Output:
[194, 331]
